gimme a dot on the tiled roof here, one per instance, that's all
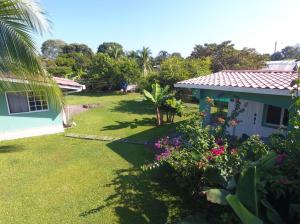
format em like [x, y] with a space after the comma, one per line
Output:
[252, 79]
[66, 82]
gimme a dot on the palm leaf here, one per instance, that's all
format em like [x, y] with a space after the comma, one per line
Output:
[19, 19]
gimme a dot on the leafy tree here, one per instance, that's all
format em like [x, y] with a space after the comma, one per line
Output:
[114, 50]
[52, 48]
[250, 59]
[108, 73]
[145, 60]
[78, 48]
[289, 52]
[224, 56]
[175, 69]
[18, 21]
[162, 55]
[176, 54]
[132, 54]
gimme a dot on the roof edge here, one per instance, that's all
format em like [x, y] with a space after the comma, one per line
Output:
[278, 92]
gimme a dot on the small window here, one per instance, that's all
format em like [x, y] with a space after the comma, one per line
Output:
[276, 116]
[24, 102]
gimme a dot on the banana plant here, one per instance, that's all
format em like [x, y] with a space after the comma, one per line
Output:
[173, 107]
[157, 97]
[242, 196]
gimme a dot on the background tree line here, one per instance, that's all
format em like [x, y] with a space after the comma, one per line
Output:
[112, 67]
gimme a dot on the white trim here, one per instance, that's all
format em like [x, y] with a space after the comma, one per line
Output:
[30, 132]
[34, 111]
[278, 92]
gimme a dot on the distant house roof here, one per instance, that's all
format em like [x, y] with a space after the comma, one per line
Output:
[251, 81]
[68, 84]
[65, 84]
[284, 65]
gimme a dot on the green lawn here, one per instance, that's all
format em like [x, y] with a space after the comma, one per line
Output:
[55, 179]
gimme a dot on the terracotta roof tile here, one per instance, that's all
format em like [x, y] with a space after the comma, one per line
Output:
[258, 79]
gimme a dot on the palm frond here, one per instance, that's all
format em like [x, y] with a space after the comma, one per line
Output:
[19, 19]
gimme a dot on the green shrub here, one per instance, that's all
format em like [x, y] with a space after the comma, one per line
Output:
[253, 148]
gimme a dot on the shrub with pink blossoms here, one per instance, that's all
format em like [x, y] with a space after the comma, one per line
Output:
[165, 146]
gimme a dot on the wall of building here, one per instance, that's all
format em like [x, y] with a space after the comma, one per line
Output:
[251, 120]
[28, 124]
[255, 106]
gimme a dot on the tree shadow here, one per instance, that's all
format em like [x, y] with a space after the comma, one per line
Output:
[141, 198]
[11, 148]
[131, 124]
[134, 107]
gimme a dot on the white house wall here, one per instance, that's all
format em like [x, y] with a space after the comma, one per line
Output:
[248, 126]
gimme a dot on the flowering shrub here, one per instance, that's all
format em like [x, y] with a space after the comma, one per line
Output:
[164, 147]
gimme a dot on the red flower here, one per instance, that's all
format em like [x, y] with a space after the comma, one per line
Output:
[218, 151]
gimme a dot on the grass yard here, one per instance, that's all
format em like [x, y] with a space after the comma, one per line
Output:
[55, 179]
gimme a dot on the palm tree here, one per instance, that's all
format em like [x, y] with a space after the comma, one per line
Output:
[157, 97]
[145, 60]
[19, 20]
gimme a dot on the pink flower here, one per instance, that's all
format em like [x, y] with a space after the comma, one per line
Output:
[233, 151]
[157, 145]
[234, 122]
[280, 158]
[176, 142]
[218, 151]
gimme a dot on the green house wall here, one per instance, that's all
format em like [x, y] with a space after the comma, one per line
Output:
[279, 101]
[15, 122]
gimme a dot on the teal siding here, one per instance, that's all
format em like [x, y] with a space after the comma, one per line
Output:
[23, 121]
[280, 101]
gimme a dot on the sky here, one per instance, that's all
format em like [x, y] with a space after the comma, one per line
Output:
[175, 25]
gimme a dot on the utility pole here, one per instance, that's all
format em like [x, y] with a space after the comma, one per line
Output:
[275, 48]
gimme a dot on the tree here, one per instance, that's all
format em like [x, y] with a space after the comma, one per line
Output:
[225, 57]
[18, 21]
[145, 60]
[108, 73]
[162, 55]
[114, 50]
[157, 97]
[78, 48]
[175, 69]
[52, 48]
[289, 52]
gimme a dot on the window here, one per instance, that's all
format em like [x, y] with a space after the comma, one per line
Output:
[276, 116]
[24, 102]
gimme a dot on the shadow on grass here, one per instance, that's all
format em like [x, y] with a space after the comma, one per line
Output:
[142, 198]
[134, 107]
[10, 149]
[132, 124]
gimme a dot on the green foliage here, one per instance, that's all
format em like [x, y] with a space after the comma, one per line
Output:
[157, 97]
[224, 56]
[78, 48]
[289, 52]
[173, 107]
[144, 58]
[52, 48]
[253, 148]
[107, 73]
[19, 21]
[112, 49]
[174, 69]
